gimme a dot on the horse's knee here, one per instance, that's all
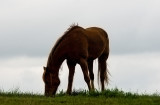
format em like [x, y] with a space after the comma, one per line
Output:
[86, 78]
[91, 76]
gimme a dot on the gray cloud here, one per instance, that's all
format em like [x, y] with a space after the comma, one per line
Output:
[24, 73]
[32, 27]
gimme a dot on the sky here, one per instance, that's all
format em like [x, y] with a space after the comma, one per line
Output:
[29, 29]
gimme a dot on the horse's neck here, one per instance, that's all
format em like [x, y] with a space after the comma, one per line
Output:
[56, 60]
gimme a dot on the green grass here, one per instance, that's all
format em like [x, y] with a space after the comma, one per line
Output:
[80, 97]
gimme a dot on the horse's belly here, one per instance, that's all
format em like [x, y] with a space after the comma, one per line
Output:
[96, 51]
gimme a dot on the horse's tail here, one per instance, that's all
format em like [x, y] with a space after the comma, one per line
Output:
[103, 71]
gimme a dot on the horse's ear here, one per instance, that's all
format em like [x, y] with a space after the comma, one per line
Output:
[45, 68]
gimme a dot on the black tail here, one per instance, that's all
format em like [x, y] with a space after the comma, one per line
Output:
[106, 72]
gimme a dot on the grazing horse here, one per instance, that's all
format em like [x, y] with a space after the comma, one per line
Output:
[82, 46]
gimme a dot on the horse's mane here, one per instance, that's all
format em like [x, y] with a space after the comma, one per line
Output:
[66, 33]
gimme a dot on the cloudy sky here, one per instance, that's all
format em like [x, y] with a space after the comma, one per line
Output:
[29, 29]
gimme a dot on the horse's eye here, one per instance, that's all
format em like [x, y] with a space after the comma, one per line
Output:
[46, 82]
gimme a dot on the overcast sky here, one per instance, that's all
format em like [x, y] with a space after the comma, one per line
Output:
[29, 29]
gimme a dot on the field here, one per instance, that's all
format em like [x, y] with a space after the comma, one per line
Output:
[108, 97]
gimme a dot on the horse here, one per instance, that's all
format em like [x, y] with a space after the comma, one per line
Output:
[78, 46]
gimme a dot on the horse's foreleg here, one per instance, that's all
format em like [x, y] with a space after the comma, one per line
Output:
[84, 66]
[91, 74]
[71, 67]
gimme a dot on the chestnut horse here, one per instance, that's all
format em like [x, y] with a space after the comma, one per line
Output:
[82, 46]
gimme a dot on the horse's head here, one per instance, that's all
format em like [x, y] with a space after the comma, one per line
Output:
[51, 82]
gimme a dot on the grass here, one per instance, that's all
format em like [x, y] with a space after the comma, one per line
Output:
[80, 97]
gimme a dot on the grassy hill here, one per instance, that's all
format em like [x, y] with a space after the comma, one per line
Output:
[108, 97]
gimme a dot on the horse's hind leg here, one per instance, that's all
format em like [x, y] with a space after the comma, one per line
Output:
[84, 66]
[91, 74]
[71, 67]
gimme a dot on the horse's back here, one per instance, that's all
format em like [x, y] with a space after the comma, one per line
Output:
[90, 42]
[97, 32]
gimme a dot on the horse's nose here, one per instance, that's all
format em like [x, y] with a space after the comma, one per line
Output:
[49, 94]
